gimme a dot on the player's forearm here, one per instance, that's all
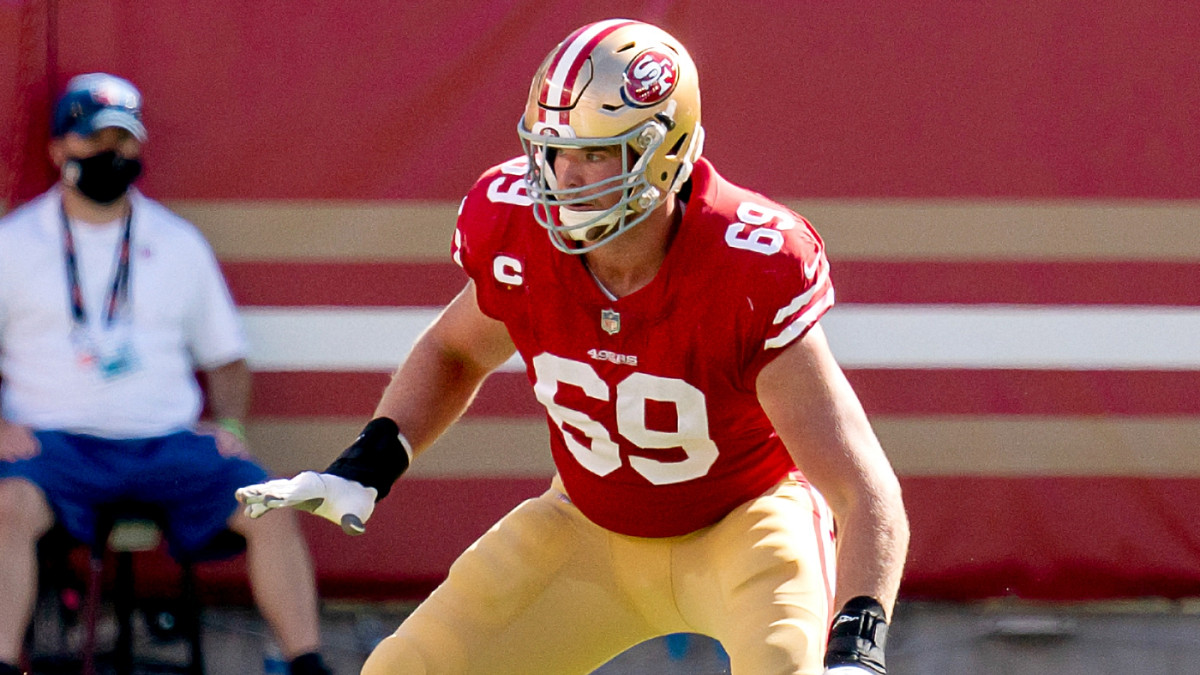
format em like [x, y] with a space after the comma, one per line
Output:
[228, 390]
[428, 392]
[436, 383]
[872, 545]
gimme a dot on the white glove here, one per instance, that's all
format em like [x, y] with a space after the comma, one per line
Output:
[345, 502]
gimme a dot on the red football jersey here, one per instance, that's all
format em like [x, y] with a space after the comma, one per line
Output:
[655, 425]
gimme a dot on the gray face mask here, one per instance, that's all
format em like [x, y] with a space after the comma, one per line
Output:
[102, 178]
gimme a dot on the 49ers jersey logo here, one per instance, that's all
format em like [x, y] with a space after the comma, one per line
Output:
[649, 79]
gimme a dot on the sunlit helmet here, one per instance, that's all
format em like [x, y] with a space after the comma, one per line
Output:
[618, 83]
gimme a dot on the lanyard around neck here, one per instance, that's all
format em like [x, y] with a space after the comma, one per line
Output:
[118, 292]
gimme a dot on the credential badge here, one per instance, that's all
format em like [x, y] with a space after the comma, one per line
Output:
[610, 321]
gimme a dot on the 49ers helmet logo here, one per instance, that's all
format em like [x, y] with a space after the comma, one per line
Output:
[649, 79]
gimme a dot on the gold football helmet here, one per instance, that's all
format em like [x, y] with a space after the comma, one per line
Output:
[618, 83]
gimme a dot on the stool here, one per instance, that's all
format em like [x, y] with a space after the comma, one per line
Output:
[123, 529]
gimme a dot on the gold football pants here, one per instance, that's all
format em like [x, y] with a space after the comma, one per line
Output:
[547, 592]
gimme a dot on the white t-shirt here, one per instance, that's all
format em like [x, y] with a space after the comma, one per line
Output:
[180, 317]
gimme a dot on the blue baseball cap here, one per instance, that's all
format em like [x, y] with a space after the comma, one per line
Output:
[98, 101]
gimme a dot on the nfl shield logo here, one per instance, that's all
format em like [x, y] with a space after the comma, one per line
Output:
[610, 321]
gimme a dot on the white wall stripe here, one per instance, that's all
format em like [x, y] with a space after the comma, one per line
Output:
[337, 339]
[312, 338]
[862, 336]
[1027, 337]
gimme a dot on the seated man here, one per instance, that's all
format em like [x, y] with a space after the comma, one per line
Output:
[108, 305]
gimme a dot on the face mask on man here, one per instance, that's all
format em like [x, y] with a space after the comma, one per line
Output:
[102, 178]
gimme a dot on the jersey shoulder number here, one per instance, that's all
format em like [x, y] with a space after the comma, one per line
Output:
[780, 260]
[759, 228]
[484, 213]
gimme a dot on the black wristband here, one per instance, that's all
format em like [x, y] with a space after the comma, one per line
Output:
[376, 458]
[858, 635]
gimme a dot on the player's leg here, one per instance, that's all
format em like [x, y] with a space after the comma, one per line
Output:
[765, 592]
[534, 595]
[277, 557]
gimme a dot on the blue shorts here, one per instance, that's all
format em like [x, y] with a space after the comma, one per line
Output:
[183, 474]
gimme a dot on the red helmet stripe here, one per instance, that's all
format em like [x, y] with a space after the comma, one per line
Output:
[543, 95]
[559, 84]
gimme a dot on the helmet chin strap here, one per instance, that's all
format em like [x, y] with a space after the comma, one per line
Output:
[601, 228]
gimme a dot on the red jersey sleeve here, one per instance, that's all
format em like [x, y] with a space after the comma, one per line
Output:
[484, 221]
[789, 291]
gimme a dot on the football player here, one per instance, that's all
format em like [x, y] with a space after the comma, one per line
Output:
[668, 321]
